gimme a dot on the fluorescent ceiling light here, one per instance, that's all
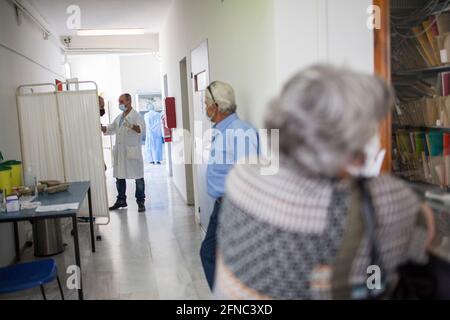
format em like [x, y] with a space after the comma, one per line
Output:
[110, 32]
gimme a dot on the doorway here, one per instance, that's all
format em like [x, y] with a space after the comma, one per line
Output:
[200, 81]
[187, 126]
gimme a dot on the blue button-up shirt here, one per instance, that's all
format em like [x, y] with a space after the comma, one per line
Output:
[233, 141]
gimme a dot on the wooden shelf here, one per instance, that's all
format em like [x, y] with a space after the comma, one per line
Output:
[422, 187]
[423, 71]
[420, 128]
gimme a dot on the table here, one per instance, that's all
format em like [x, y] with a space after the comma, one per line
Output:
[75, 194]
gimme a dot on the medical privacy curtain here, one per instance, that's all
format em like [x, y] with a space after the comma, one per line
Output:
[40, 136]
[82, 141]
[61, 140]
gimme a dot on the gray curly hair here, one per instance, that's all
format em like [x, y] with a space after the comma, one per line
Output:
[326, 116]
[224, 96]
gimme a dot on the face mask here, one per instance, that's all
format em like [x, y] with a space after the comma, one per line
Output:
[211, 117]
[102, 112]
[374, 160]
[122, 107]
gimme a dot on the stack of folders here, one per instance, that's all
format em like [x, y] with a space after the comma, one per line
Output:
[408, 88]
[406, 56]
[410, 157]
[429, 46]
[440, 32]
[435, 143]
[447, 158]
[425, 156]
[421, 104]
[426, 112]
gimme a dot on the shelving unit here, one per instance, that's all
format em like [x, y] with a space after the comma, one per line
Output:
[424, 128]
[420, 126]
[423, 71]
[384, 67]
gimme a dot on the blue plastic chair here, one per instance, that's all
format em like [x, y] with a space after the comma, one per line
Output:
[29, 275]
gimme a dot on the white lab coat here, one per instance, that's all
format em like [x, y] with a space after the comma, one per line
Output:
[127, 152]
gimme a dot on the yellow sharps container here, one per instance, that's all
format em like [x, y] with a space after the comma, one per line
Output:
[16, 172]
[5, 179]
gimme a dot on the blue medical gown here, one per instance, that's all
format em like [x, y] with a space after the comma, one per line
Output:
[154, 137]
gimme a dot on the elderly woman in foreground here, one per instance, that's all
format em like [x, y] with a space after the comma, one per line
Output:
[299, 234]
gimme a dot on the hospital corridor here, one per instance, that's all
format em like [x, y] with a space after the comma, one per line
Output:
[187, 153]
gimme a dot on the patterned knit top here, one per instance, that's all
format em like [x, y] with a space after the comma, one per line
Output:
[277, 234]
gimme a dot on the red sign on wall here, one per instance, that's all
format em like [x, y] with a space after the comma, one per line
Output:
[59, 85]
[171, 117]
[167, 131]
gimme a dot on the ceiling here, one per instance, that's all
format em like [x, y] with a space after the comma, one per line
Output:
[105, 14]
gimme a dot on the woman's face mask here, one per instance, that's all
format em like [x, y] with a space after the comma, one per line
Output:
[374, 157]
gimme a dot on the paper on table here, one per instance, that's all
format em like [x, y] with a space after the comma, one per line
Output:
[29, 205]
[58, 207]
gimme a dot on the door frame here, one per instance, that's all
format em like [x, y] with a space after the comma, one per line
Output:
[187, 125]
[203, 202]
[382, 67]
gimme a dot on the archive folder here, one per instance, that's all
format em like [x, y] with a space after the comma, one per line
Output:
[447, 158]
[441, 24]
[425, 46]
[432, 41]
[435, 141]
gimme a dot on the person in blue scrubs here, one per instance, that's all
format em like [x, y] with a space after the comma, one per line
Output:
[234, 142]
[154, 138]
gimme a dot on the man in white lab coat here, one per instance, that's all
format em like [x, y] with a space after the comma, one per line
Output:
[128, 160]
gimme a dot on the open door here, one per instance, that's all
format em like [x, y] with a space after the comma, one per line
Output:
[204, 204]
[187, 126]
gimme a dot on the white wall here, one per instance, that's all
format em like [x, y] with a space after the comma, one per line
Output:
[350, 41]
[117, 73]
[140, 73]
[103, 69]
[241, 52]
[25, 58]
[330, 31]
[256, 45]
[299, 37]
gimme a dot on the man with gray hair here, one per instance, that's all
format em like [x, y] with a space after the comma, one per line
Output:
[233, 141]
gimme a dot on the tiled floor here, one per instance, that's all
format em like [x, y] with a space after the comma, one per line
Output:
[152, 255]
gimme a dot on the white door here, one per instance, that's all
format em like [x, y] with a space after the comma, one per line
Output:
[200, 80]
